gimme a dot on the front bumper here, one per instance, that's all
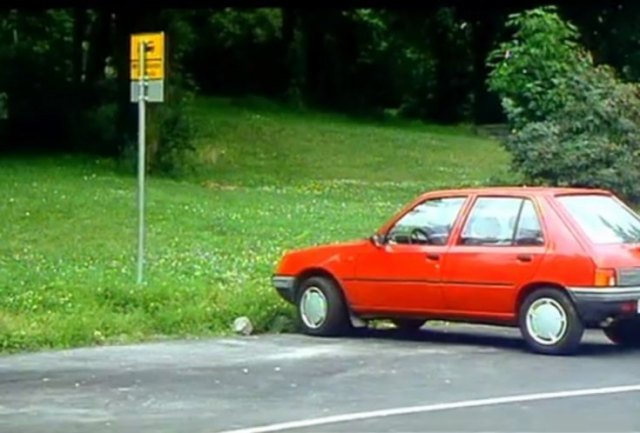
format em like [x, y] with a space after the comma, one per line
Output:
[596, 304]
[285, 285]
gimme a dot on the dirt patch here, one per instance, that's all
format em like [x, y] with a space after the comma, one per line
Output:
[219, 186]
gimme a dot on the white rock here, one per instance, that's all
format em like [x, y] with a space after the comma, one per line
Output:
[242, 325]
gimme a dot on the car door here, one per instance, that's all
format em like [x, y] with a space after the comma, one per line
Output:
[499, 248]
[403, 274]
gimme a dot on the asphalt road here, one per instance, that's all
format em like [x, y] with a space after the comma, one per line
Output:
[455, 378]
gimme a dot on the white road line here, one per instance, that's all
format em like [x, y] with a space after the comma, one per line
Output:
[313, 422]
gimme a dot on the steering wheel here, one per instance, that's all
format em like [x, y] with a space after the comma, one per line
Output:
[418, 235]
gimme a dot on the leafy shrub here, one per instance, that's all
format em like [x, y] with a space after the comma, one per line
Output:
[171, 134]
[573, 123]
[529, 72]
[95, 129]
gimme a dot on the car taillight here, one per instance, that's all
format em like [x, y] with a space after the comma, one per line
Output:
[605, 277]
[629, 307]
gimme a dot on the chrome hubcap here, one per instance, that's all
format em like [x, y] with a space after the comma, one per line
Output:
[313, 307]
[546, 321]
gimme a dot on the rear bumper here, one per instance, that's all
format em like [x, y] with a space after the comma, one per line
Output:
[285, 285]
[596, 304]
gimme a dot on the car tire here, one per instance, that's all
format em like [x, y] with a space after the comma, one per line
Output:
[408, 325]
[556, 329]
[321, 308]
[624, 332]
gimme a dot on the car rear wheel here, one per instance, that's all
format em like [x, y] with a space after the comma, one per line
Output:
[408, 325]
[625, 332]
[322, 310]
[549, 322]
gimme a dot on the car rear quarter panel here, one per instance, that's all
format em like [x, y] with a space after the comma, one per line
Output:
[568, 261]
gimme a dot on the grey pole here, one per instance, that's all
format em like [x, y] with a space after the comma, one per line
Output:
[141, 160]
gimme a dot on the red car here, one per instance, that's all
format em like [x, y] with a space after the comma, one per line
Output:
[551, 261]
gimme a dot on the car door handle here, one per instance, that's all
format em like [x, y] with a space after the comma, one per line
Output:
[524, 258]
[433, 256]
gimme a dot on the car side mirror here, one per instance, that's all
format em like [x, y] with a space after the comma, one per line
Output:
[377, 239]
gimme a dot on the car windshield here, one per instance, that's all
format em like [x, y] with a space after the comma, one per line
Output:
[603, 218]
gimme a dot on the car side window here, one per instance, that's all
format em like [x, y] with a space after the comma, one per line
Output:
[529, 231]
[502, 221]
[430, 222]
[491, 221]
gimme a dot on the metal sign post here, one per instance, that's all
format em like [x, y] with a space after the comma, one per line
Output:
[147, 85]
[141, 158]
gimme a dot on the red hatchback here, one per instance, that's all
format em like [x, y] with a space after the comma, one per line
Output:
[552, 261]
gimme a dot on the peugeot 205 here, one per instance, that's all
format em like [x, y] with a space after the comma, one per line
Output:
[550, 261]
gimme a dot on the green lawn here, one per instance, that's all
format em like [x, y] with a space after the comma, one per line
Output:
[259, 144]
[274, 179]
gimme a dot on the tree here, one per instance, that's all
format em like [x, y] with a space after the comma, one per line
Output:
[573, 122]
[530, 71]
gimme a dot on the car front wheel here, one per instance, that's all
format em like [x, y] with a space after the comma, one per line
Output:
[321, 308]
[625, 332]
[549, 322]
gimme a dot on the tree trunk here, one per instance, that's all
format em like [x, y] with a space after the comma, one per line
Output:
[289, 21]
[445, 106]
[343, 46]
[311, 53]
[486, 107]
[79, 33]
[297, 60]
[99, 47]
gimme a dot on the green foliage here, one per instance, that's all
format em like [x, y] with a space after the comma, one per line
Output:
[574, 123]
[181, 35]
[612, 31]
[171, 134]
[593, 141]
[67, 268]
[238, 26]
[35, 54]
[399, 59]
[94, 130]
[63, 70]
[349, 60]
[237, 51]
[383, 63]
[529, 72]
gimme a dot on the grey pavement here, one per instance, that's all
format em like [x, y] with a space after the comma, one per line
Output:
[224, 384]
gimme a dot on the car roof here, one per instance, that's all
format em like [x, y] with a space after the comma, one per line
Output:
[516, 190]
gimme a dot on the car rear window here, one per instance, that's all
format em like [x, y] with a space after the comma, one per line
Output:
[603, 218]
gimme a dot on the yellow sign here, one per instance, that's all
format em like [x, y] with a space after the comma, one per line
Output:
[154, 55]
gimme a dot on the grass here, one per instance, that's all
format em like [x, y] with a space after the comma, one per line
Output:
[271, 179]
[271, 145]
